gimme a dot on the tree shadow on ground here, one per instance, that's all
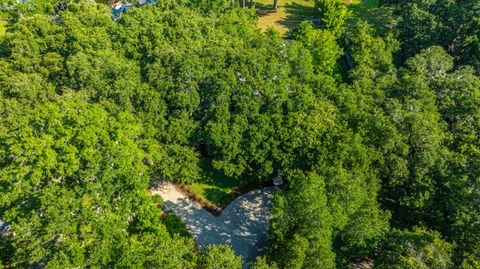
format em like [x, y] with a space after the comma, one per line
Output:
[263, 9]
[244, 223]
[217, 178]
[222, 197]
[296, 14]
[380, 17]
[215, 186]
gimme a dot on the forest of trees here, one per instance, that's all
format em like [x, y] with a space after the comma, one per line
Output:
[382, 160]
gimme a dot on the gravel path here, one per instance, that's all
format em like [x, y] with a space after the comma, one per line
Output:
[243, 223]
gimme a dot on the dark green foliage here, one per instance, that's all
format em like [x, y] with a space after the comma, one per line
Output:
[419, 111]
[175, 225]
[157, 200]
[450, 24]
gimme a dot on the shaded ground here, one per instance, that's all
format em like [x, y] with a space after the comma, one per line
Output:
[286, 17]
[380, 17]
[214, 186]
[243, 223]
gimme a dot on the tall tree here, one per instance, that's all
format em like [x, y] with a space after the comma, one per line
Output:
[73, 189]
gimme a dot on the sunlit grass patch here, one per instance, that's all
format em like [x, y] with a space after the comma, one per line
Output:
[288, 15]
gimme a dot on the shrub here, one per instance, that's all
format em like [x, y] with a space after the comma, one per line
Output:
[218, 256]
[157, 199]
[175, 225]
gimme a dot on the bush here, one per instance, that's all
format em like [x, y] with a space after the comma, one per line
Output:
[157, 199]
[175, 225]
[218, 256]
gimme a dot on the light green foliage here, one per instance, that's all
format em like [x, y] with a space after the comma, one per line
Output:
[218, 257]
[333, 14]
[301, 226]
[415, 249]
[472, 261]
[3, 25]
[261, 263]
[210, 6]
[73, 183]
[91, 108]
[372, 55]
[321, 43]
[307, 218]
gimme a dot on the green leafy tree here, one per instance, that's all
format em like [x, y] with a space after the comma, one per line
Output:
[74, 189]
[301, 226]
[321, 44]
[415, 249]
[334, 14]
[450, 24]
[218, 257]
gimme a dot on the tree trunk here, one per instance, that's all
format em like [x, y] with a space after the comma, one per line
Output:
[275, 4]
[243, 3]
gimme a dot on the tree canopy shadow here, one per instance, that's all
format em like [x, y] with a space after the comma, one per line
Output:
[296, 14]
[263, 9]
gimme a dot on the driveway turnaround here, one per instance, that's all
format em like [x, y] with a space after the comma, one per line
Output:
[243, 224]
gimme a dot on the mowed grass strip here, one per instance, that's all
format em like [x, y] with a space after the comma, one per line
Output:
[288, 15]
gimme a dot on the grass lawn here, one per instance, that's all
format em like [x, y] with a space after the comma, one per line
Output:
[286, 17]
[2, 29]
[214, 186]
[380, 17]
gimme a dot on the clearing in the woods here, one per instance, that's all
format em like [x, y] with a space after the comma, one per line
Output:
[214, 186]
[290, 13]
[287, 16]
[370, 10]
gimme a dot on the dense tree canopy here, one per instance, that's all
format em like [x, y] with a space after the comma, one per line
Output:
[73, 187]
[382, 158]
[451, 24]
[415, 249]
